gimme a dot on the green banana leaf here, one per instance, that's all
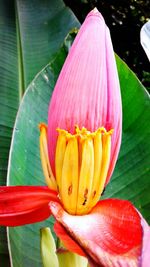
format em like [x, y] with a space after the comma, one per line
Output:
[8, 99]
[25, 166]
[30, 34]
[129, 180]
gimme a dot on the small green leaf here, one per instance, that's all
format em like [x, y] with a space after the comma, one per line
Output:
[69, 259]
[48, 249]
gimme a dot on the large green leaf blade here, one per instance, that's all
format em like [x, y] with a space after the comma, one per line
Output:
[131, 179]
[8, 98]
[42, 28]
[30, 34]
[8, 82]
[25, 165]
[25, 150]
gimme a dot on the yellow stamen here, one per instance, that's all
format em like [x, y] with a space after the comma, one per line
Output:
[49, 177]
[86, 175]
[69, 179]
[59, 156]
[96, 185]
[82, 162]
[102, 149]
[81, 166]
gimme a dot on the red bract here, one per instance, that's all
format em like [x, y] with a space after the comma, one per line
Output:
[21, 205]
[78, 155]
[103, 234]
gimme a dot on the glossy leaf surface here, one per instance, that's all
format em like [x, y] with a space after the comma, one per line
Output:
[25, 165]
[30, 34]
[131, 179]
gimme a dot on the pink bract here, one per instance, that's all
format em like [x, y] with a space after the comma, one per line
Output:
[87, 92]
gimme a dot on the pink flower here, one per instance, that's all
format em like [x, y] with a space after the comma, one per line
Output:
[87, 92]
[78, 153]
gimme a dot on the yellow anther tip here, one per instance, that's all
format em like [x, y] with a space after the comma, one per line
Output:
[83, 133]
[101, 130]
[110, 132]
[42, 126]
[62, 131]
[77, 129]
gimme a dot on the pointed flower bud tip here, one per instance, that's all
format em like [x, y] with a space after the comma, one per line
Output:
[87, 91]
[95, 13]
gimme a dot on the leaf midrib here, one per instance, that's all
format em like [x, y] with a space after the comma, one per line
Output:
[21, 83]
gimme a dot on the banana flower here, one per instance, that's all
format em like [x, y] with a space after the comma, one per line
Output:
[79, 149]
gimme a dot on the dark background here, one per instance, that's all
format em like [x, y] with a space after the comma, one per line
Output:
[124, 19]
